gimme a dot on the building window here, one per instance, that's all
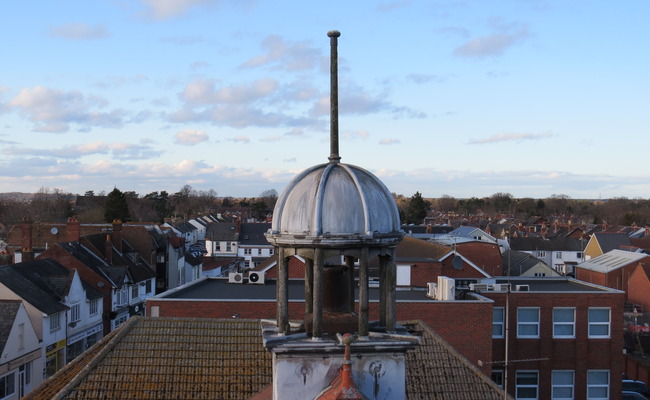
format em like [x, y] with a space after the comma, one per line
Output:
[497, 322]
[135, 292]
[564, 322]
[122, 295]
[228, 246]
[75, 312]
[541, 254]
[579, 255]
[26, 370]
[147, 286]
[597, 385]
[55, 322]
[247, 251]
[271, 251]
[562, 385]
[558, 254]
[247, 264]
[527, 384]
[93, 307]
[7, 385]
[528, 322]
[497, 377]
[598, 322]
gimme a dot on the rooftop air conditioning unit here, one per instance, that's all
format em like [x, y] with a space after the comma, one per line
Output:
[501, 287]
[479, 287]
[256, 277]
[522, 288]
[446, 288]
[235, 277]
[432, 289]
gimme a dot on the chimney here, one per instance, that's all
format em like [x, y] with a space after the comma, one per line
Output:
[108, 255]
[238, 225]
[117, 234]
[26, 229]
[73, 230]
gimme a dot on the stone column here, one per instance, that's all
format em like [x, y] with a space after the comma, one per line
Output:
[349, 262]
[282, 292]
[363, 293]
[309, 286]
[317, 330]
[391, 283]
[383, 289]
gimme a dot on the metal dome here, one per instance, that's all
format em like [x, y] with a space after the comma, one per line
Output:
[336, 204]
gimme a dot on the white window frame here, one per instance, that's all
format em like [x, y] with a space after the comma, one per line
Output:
[55, 322]
[526, 386]
[596, 324]
[497, 377]
[135, 292]
[558, 255]
[10, 377]
[541, 254]
[595, 386]
[521, 324]
[248, 251]
[562, 385]
[75, 312]
[93, 307]
[558, 324]
[496, 312]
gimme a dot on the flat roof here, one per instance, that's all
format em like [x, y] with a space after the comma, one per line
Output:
[220, 289]
[553, 284]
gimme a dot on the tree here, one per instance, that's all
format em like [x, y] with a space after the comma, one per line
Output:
[416, 209]
[116, 207]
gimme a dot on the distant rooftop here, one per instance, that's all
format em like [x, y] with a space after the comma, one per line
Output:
[553, 284]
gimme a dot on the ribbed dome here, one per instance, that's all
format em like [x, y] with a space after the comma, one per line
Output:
[335, 202]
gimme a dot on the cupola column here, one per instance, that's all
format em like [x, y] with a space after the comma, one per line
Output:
[363, 292]
[391, 284]
[282, 292]
[317, 331]
[309, 286]
[349, 262]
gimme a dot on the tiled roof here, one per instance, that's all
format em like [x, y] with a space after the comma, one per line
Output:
[555, 244]
[253, 234]
[46, 301]
[222, 232]
[185, 358]
[8, 311]
[610, 241]
[411, 248]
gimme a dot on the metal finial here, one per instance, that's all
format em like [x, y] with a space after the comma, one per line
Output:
[334, 97]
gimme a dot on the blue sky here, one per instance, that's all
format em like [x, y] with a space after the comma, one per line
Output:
[463, 98]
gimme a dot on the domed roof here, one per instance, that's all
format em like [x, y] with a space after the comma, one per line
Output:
[335, 203]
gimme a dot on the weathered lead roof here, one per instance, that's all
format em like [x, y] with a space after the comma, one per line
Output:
[190, 358]
[335, 200]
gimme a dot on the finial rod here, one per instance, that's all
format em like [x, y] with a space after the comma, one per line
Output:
[334, 97]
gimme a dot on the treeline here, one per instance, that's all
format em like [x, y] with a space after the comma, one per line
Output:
[53, 205]
[556, 208]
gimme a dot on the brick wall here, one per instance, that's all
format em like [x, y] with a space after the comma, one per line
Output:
[546, 354]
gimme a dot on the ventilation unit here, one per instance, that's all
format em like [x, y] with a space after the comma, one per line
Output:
[235, 277]
[479, 287]
[256, 277]
[432, 289]
[522, 288]
[501, 287]
[446, 288]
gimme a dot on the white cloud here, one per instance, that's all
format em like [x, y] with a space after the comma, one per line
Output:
[284, 55]
[79, 31]
[352, 135]
[203, 92]
[191, 137]
[389, 141]
[511, 137]
[120, 151]
[240, 139]
[165, 9]
[53, 110]
[493, 44]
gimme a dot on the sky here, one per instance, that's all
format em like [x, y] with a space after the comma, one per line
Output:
[460, 98]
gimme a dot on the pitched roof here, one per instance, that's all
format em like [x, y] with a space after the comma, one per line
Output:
[222, 231]
[610, 241]
[611, 261]
[190, 358]
[46, 301]
[253, 234]
[417, 249]
[8, 311]
[515, 263]
[554, 244]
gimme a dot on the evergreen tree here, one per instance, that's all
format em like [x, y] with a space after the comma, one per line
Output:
[416, 209]
[116, 207]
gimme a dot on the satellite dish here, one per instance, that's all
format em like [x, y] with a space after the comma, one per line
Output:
[457, 262]
[54, 230]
